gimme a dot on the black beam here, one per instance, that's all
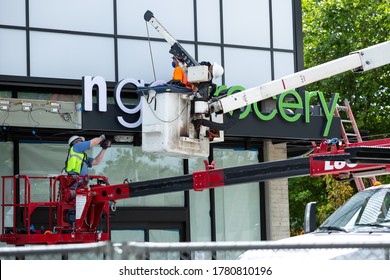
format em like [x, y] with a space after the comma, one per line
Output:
[374, 155]
[159, 186]
[234, 175]
[363, 155]
[267, 171]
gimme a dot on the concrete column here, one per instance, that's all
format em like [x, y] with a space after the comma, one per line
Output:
[276, 196]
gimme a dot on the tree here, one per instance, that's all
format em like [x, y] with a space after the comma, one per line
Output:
[332, 29]
[327, 192]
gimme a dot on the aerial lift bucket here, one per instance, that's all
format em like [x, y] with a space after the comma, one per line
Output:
[167, 127]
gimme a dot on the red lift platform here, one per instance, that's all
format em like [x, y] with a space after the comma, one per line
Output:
[70, 218]
[78, 207]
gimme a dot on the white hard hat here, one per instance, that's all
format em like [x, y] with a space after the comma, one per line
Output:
[217, 70]
[74, 137]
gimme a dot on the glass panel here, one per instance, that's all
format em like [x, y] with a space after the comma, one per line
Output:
[284, 64]
[178, 18]
[51, 96]
[128, 162]
[8, 199]
[237, 207]
[34, 95]
[119, 236]
[209, 28]
[6, 158]
[119, 163]
[257, 65]
[6, 169]
[71, 56]
[282, 24]
[39, 190]
[47, 159]
[12, 52]
[246, 24]
[199, 207]
[86, 15]
[127, 236]
[13, 12]
[211, 54]
[164, 236]
[199, 214]
[5, 94]
[135, 60]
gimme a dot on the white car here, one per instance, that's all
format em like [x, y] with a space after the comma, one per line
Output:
[358, 230]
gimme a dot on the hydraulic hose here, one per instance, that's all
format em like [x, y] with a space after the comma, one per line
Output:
[230, 121]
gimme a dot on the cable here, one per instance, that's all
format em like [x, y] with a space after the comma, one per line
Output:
[68, 118]
[232, 120]
[30, 114]
[150, 50]
[4, 128]
[6, 117]
[33, 132]
[161, 120]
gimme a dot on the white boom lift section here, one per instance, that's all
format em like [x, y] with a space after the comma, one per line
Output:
[182, 124]
[363, 60]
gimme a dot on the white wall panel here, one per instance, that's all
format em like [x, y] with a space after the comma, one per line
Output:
[247, 68]
[176, 16]
[12, 52]
[246, 22]
[135, 60]
[211, 54]
[12, 12]
[284, 64]
[208, 22]
[85, 15]
[282, 22]
[71, 56]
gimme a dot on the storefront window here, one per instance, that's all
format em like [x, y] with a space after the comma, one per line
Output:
[6, 169]
[5, 94]
[130, 163]
[238, 206]
[157, 235]
[199, 208]
[120, 163]
[51, 96]
[46, 159]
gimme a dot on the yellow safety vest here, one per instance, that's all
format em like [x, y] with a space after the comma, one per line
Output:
[75, 161]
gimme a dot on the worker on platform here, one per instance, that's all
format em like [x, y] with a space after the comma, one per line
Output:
[77, 161]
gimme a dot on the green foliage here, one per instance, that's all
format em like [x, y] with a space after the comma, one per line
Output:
[337, 194]
[326, 191]
[303, 190]
[332, 29]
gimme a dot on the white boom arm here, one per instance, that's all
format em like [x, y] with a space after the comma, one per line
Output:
[363, 60]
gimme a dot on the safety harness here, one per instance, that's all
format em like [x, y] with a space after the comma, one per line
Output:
[74, 161]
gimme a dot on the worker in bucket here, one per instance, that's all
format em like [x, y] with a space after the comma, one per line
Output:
[206, 90]
[178, 75]
[77, 161]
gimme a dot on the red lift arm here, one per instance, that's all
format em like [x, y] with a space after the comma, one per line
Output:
[79, 206]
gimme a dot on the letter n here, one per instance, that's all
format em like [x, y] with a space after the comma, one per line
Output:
[88, 84]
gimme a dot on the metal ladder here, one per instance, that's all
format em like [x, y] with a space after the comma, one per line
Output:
[354, 137]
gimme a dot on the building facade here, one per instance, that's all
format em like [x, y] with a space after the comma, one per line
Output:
[47, 47]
